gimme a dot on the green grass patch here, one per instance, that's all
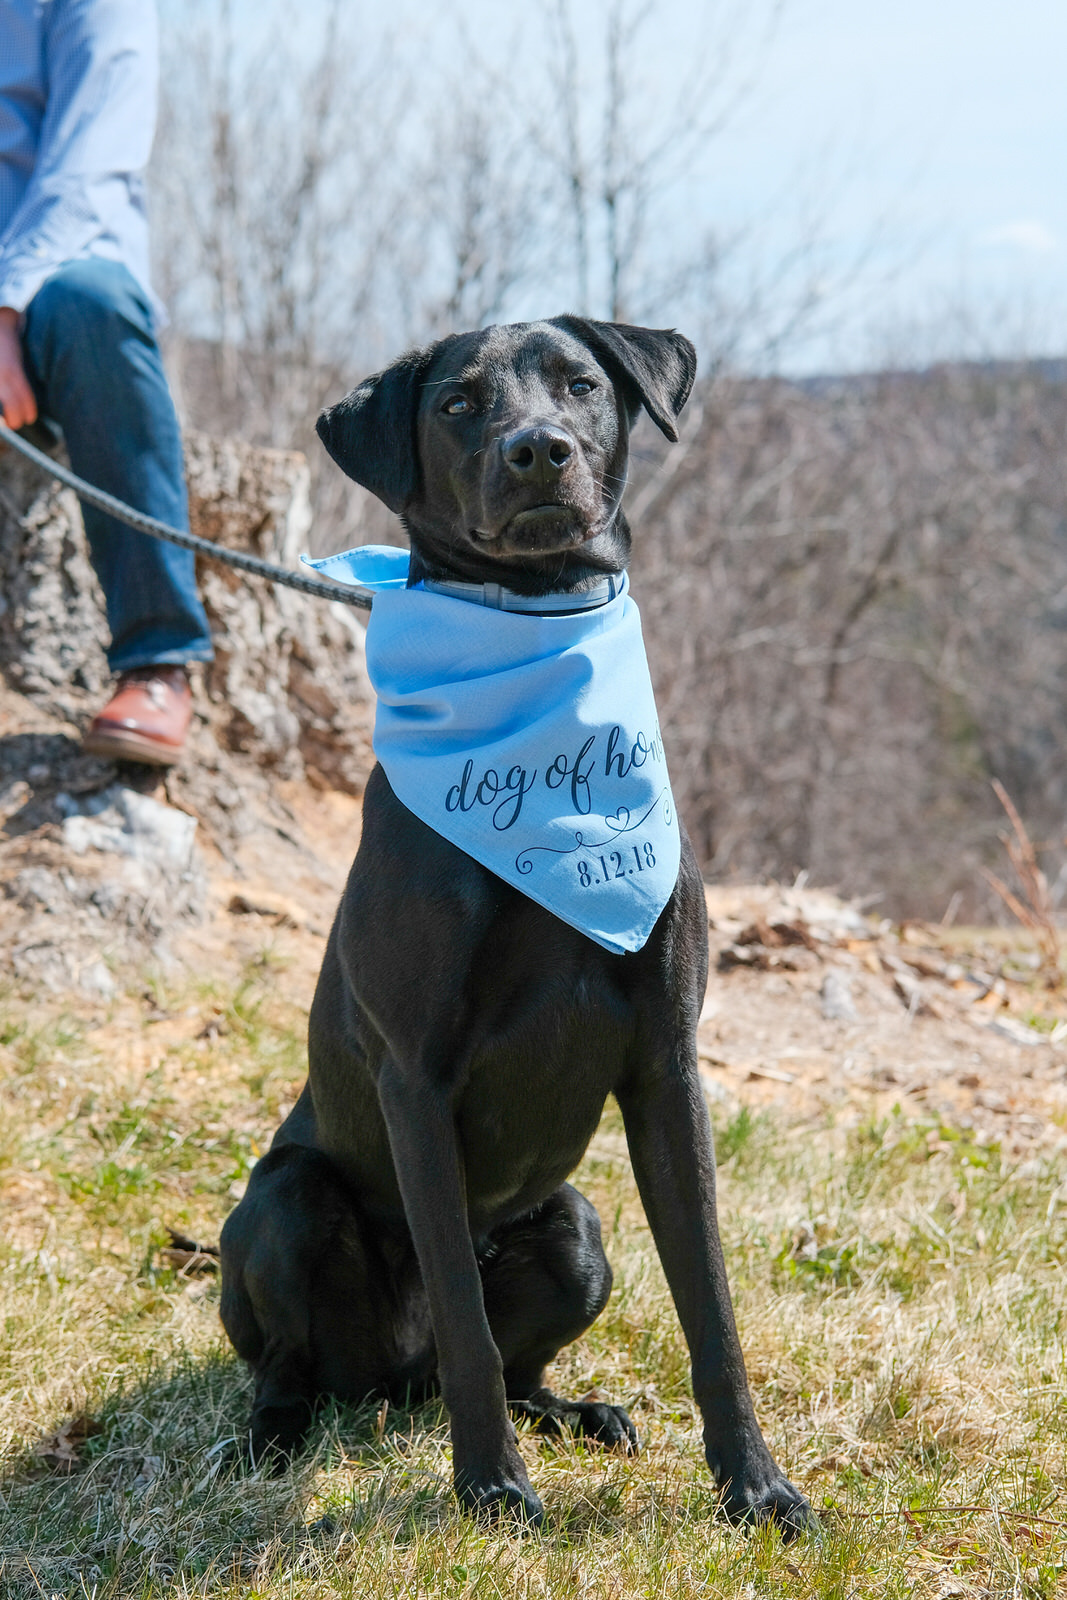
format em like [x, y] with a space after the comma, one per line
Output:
[899, 1285]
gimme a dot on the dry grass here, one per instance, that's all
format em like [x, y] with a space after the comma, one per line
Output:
[899, 1284]
[1035, 910]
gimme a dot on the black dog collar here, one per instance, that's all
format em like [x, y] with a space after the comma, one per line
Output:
[540, 605]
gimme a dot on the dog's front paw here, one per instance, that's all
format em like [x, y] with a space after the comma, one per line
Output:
[512, 1502]
[501, 1494]
[765, 1495]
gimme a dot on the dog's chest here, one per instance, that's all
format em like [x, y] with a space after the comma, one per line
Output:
[533, 1089]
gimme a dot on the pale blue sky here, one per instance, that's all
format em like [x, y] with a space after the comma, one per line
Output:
[947, 121]
[927, 141]
[926, 138]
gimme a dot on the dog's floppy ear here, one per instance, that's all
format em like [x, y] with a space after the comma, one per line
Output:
[371, 432]
[656, 365]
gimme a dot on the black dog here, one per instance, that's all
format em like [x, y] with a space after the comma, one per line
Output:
[410, 1226]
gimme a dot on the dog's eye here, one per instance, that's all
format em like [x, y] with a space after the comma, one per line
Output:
[582, 386]
[457, 406]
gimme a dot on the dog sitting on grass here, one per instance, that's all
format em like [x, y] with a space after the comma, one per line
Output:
[523, 934]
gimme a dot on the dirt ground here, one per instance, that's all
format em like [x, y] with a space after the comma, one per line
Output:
[954, 1022]
[836, 1007]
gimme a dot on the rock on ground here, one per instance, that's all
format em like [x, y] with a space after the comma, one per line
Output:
[99, 861]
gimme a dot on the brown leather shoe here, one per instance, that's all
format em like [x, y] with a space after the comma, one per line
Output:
[146, 718]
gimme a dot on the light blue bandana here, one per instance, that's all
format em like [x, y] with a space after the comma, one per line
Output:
[529, 741]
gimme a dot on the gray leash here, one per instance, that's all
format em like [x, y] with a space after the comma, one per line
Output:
[361, 598]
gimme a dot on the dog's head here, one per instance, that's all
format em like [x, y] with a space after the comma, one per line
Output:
[504, 451]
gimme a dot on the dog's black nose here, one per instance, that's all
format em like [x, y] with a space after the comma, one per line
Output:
[538, 454]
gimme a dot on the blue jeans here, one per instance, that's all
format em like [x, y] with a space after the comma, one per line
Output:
[91, 356]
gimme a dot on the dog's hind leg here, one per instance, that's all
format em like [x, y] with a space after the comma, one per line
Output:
[273, 1247]
[545, 1279]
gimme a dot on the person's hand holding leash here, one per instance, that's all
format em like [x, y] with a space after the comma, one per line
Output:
[16, 397]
